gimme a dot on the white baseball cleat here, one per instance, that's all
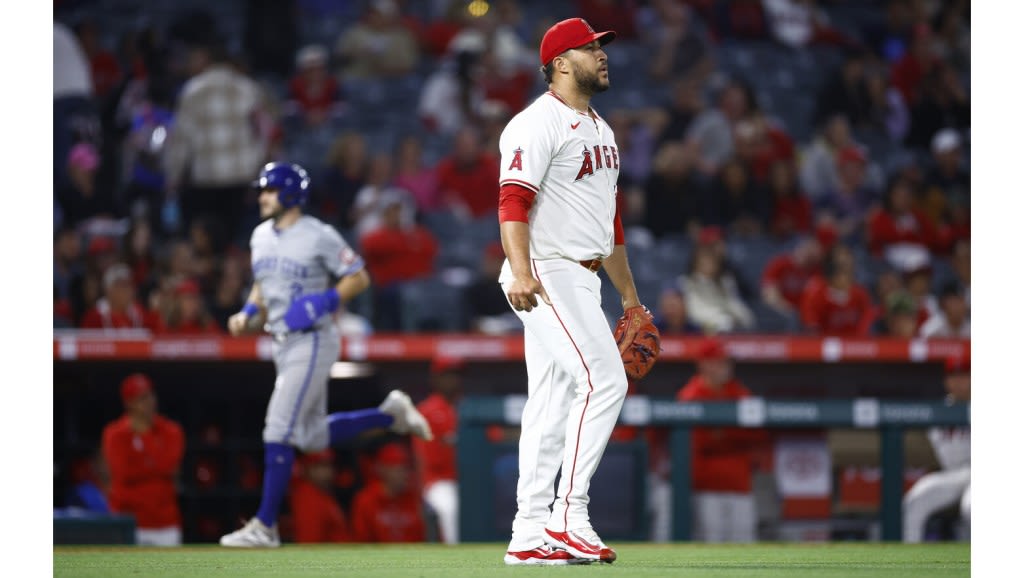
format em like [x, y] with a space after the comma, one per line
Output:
[542, 556]
[581, 543]
[252, 535]
[408, 419]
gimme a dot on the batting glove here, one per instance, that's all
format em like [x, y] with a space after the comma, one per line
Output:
[306, 310]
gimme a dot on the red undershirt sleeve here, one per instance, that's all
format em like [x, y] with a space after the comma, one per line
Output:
[514, 202]
[620, 235]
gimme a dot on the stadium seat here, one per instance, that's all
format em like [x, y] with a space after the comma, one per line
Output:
[431, 305]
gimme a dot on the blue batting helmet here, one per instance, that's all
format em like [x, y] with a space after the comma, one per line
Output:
[290, 180]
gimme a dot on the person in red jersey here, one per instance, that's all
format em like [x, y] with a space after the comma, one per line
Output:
[723, 458]
[467, 179]
[143, 450]
[435, 459]
[786, 275]
[836, 304]
[399, 250]
[119, 308]
[900, 225]
[312, 90]
[316, 514]
[388, 508]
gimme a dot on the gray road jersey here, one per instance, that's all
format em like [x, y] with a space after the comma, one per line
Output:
[307, 257]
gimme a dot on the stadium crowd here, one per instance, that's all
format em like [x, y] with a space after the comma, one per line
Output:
[787, 165]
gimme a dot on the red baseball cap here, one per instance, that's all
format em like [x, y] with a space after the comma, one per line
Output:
[393, 454]
[135, 385]
[711, 349]
[442, 364]
[187, 287]
[567, 34]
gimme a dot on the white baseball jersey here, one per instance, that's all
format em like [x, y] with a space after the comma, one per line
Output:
[570, 160]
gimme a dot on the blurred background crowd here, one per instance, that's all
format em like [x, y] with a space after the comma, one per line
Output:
[788, 166]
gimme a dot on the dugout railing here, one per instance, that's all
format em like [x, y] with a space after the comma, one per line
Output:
[477, 451]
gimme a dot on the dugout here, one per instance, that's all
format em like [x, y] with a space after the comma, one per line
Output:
[218, 390]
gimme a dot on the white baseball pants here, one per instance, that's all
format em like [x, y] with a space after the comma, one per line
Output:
[576, 386]
[443, 498]
[724, 517]
[934, 492]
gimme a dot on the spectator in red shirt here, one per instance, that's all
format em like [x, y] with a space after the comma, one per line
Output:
[723, 458]
[786, 275]
[144, 450]
[399, 250]
[118, 308]
[313, 90]
[836, 304]
[388, 509]
[185, 313]
[435, 459]
[908, 72]
[317, 516]
[507, 81]
[468, 178]
[900, 226]
[760, 142]
[435, 36]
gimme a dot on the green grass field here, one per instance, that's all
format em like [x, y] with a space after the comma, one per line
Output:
[484, 560]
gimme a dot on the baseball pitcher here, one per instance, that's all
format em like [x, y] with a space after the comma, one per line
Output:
[559, 226]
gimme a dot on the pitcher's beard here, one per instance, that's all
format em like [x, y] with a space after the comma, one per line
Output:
[589, 84]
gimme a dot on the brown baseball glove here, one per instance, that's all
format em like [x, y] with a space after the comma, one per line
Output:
[639, 341]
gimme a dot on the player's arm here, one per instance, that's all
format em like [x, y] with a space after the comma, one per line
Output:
[252, 316]
[527, 145]
[350, 286]
[616, 266]
[515, 240]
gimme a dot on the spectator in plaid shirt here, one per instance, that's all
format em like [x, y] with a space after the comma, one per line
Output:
[219, 140]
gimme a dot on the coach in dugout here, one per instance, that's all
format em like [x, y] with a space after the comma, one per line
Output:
[144, 450]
